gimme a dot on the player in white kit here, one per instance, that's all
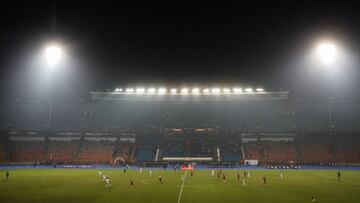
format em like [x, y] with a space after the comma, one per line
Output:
[108, 184]
[243, 183]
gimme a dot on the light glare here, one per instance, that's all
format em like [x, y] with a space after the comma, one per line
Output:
[184, 90]
[215, 90]
[140, 90]
[129, 90]
[206, 90]
[162, 90]
[226, 90]
[237, 90]
[248, 90]
[327, 53]
[195, 91]
[173, 90]
[53, 54]
[151, 90]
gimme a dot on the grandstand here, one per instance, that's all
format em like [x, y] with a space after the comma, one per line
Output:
[204, 128]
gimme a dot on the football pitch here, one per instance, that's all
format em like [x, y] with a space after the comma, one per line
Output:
[85, 185]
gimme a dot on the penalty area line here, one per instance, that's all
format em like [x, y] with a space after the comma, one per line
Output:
[182, 187]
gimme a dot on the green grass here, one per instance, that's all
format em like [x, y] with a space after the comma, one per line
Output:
[84, 185]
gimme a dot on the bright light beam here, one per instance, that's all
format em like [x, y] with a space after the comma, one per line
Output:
[53, 54]
[327, 53]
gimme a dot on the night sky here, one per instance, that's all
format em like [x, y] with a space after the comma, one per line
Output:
[173, 43]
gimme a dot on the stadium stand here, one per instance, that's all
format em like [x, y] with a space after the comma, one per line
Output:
[62, 151]
[27, 151]
[96, 152]
[185, 128]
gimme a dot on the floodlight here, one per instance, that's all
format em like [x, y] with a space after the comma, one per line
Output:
[140, 90]
[259, 89]
[173, 91]
[195, 90]
[248, 90]
[151, 90]
[327, 52]
[184, 90]
[215, 90]
[226, 90]
[129, 90]
[117, 90]
[162, 90]
[206, 91]
[237, 90]
[53, 54]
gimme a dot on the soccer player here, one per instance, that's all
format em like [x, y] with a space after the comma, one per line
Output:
[140, 171]
[104, 177]
[160, 179]
[218, 175]
[339, 175]
[224, 177]
[150, 172]
[131, 183]
[192, 173]
[264, 180]
[281, 176]
[248, 173]
[243, 183]
[245, 175]
[7, 174]
[182, 178]
[212, 172]
[313, 200]
[100, 173]
[108, 184]
[238, 176]
[124, 170]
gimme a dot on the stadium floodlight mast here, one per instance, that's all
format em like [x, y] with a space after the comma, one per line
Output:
[53, 56]
[329, 54]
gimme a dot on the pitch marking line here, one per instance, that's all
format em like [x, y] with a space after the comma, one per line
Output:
[182, 187]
